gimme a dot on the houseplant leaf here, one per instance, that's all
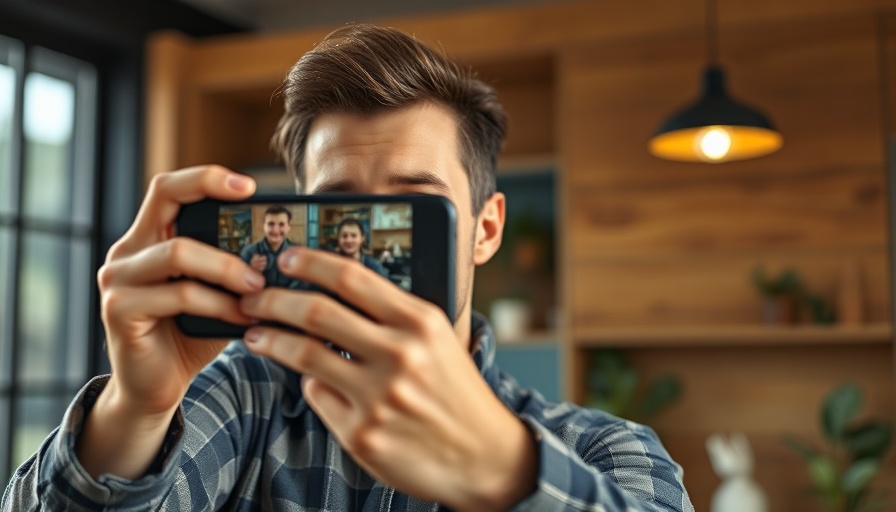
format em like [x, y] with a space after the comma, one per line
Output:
[858, 475]
[840, 407]
[806, 452]
[871, 439]
[663, 391]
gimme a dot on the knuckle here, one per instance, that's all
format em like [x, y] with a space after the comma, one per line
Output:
[175, 249]
[408, 357]
[316, 312]
[303, 356]
[117, 250]
[365, 442]
[428, 319]
[112, 302]
[105, 276]
[349, 276]
[186, 292]
[397, 396]
[158, 183]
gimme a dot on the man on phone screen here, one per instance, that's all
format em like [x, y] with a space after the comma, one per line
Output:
[262, 255]
[350, 241]
[418, 419]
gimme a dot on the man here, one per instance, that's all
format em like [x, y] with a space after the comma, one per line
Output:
[262, 255]
[419, 418]
[350, 241]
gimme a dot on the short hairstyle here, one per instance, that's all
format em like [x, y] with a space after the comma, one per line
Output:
[349, 221]
[364, 69]
[277, 210]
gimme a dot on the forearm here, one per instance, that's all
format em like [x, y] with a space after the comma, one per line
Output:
[119, 441]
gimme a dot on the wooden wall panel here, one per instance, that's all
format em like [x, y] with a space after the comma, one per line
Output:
[821, 210]
[654, 242]
[765, 392]
[711, 289]
[817, 80]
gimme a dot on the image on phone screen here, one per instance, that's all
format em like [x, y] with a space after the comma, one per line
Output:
[378, 235]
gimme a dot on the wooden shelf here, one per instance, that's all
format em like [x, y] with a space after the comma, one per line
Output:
[733, 335]
[531, 339]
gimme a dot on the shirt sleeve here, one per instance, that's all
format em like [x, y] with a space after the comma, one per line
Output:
[623, 467]
[53, 479]
[206, 431]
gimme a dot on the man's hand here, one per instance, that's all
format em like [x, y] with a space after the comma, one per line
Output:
[152, 362]
[259, 262]
[410, 406]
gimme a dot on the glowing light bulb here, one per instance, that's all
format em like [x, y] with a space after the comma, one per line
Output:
[714, 143]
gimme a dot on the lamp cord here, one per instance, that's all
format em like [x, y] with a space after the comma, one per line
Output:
[712, 32]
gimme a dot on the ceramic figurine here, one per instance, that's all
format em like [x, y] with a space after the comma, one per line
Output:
[732, 460]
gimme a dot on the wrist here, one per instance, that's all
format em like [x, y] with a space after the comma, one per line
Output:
[509, 474]
[120, 438]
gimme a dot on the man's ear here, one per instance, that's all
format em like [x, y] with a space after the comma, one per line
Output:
[489, 229]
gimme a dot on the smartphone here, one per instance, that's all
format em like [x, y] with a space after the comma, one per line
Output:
[408, 239]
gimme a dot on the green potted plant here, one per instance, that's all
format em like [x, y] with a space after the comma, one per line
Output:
[615, 387]
[842, 473]
[780, 293]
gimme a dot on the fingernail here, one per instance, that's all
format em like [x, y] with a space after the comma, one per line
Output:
[255, 280]
[252, 337]
[289, 259]
[238, 182]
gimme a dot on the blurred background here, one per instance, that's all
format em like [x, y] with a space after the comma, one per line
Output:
[739, 282]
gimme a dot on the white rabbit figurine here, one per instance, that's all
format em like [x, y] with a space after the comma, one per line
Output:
[733, 462]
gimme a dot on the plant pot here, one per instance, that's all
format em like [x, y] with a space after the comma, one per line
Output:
[779, 310]
[511, 318]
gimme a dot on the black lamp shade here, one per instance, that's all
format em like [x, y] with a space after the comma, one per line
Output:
[715, 128]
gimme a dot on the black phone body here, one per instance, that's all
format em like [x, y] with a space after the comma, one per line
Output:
[409, 239]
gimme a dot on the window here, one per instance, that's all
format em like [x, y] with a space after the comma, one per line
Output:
[48, 110]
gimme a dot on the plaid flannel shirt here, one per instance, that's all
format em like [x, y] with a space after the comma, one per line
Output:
[245, 439]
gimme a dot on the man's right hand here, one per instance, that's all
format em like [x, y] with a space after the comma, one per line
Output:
[153, 363]
[259, 262]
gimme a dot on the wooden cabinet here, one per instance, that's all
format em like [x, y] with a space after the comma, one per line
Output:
[651, 256]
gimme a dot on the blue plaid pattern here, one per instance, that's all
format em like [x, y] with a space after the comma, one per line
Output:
[244, 439]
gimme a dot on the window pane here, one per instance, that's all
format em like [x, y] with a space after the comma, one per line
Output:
[7, 250]
[5, 470]
[7, 104]
[49, 306]
[49, 112]
[36, 417]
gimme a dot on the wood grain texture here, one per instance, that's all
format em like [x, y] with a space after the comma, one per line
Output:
[726, 213]
[711, 289]
[765, 392]
[817, 80]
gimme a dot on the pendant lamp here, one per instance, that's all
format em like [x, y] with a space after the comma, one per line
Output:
[715, 128]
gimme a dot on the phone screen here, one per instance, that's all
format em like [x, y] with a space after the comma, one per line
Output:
[378, 235]
[407, 239]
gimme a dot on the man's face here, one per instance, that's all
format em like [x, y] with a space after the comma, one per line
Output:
[276, 226]
[413, 150]
[350, 240]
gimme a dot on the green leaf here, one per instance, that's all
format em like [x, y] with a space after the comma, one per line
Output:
[840, 407]
[806, 452]
[824, 474]
[858, 475]
[871, 439]
[662, 392]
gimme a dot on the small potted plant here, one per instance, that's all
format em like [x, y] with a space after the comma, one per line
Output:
[842, 473]
[616, 387]
[780, 294]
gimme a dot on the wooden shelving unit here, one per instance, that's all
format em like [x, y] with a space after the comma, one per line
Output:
[734, 335]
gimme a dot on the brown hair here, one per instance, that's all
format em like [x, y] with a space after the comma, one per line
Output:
[365, 69]
[277, 210]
